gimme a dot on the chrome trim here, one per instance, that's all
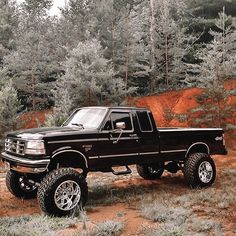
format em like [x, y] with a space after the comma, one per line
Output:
[148, 153]
[72, 150]
[92, 140]
[25, 169]
[125, 154]
[120, 155]
[170, 151]
[75, 141]
[62, 148]
[190, 129]
[93, 157]
[198, 143]
[24, 160]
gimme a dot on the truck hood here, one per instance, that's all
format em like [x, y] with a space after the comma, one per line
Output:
[39, 133]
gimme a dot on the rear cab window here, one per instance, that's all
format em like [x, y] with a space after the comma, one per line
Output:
[144, 121]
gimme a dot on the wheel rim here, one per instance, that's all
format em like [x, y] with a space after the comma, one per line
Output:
[67, 195]
[25, 185]
[205, 172]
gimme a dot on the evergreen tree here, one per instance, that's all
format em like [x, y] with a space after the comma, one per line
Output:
[89, 77]
[169, 43]
[36, 60]
[8, 23]
[62, 107]
[218, 64]
[9, 108]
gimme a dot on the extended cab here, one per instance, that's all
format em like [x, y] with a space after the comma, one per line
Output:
[46, 161]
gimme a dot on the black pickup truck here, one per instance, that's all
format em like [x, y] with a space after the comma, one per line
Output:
[52, 163]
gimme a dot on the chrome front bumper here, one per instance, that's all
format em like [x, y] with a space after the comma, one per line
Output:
[25, 165]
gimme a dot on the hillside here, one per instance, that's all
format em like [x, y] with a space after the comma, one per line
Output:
[166, 106]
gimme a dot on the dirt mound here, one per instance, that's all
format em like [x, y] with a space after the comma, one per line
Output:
[33, 119]
[166, 106]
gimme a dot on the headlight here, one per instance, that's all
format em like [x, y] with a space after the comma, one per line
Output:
[35, 147]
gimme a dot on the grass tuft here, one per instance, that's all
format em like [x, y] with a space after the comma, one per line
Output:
[108, 228]
[34, 225]
[159, 213]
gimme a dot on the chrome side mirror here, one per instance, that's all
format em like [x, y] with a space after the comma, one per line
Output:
[120, 125]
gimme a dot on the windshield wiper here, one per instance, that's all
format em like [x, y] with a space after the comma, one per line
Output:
[79, 125]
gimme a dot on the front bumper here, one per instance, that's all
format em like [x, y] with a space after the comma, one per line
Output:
[25, 165]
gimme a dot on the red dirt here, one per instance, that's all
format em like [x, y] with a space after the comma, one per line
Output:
[33, 119]
[180, 102]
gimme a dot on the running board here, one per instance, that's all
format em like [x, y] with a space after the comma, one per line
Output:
[124, 172]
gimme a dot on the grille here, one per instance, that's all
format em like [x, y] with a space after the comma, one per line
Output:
[15, 146]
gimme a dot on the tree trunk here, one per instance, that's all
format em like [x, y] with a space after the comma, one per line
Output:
[152, 27]
[166, 59]
[33, 80]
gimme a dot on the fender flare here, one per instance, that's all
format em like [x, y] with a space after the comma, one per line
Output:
[200, 144]
[74, 151]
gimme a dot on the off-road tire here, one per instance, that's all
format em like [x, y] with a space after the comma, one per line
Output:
[13, 183]
[49, 186]
[150, 172]
[192, 168]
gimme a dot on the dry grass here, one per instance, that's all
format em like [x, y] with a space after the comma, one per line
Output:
[34, 225]
[108, 228]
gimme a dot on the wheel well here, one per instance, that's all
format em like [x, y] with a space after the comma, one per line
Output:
[198, 147]
[68, 159]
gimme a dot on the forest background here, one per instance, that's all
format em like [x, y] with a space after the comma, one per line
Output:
[104, 52]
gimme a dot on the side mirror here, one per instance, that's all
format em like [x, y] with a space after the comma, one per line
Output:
[120, 125]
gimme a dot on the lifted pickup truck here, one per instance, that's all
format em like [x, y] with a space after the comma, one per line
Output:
[52, 163]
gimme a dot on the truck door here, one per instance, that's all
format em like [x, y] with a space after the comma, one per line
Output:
[120, 138]
[149, 145]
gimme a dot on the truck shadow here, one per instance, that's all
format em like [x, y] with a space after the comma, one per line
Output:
[135, 189]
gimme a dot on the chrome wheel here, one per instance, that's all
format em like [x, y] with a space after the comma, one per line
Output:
[205, 172]
[67, 195]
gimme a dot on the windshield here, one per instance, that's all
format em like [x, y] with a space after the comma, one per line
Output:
[87, 118]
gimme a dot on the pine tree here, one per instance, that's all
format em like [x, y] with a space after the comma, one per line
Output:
[8, 23]
[89, 77]
[62, 107]
[171, 43]
[9, 108]
[218, 64]
[36, 58]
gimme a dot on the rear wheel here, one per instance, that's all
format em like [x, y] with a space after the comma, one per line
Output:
[62, 191]
[199, 170]
[20, 185]
[150, 172]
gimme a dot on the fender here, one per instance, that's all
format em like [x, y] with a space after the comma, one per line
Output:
[200, 144]
[74, 151]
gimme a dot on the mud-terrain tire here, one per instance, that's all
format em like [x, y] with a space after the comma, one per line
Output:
[19, 186]
[62, 191]
[199, 170]
[150, 172]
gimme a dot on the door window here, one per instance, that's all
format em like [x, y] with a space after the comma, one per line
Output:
[116, 117]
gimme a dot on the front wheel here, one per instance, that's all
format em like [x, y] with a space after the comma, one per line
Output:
[150, 172]
[199, 170]
[20, 185]
[62, 191]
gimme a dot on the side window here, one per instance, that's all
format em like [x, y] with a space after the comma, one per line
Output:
[144, 121]
[108, 125]
[121, 117]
